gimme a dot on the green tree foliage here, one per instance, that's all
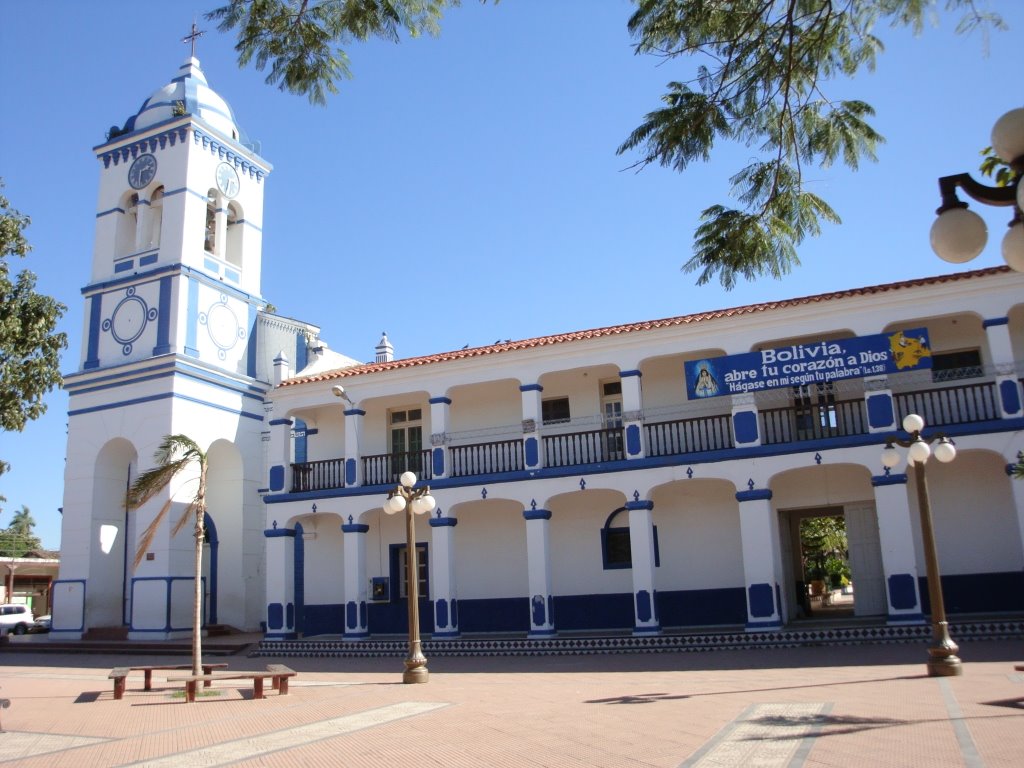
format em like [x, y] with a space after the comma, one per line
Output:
[177, 454]
[300, 41]
[18, 538]
[762, 70]
[29, 347]
[824, 549]
[761, 78]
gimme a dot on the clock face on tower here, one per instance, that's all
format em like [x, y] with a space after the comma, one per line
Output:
[227, 180]
[142, 171]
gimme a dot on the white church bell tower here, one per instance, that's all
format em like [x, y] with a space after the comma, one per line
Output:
[169, 347]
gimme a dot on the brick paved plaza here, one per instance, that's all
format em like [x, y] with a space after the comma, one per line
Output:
[852, 706]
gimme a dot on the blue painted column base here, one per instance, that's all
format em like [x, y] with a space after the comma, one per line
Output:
[541, 633]
[896, 619]
[647, 629]
[445, 635]
[763, 626]
[281, 636]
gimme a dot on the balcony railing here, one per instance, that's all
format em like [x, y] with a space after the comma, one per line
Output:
[575, 448]
[385, 468]
[486, 458]
[813, 422]
[965, 404]
[941, 406]
[318, 475]
[710, 433]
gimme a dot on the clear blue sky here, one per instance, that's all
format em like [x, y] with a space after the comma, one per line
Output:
[465, 189]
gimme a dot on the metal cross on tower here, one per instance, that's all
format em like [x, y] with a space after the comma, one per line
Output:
[195, 35]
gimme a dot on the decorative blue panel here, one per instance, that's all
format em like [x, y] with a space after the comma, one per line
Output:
[350, 472]
[351, 614]
[762, 599]
[92, 359]
[275, 616]
[362, 614]
[643, 605]
[901, 591]
[441, 612]
[1010, 394]
[277, 478]
[633, 439]
[455, 613]
[530, 452]
[744, 425]
[880, 411]
[163, 323]
[438, 462]
[290, 615]
[538, 611]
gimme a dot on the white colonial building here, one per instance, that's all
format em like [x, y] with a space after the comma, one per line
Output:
[640, 478]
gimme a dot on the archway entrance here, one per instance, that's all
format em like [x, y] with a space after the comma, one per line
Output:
[833, 559]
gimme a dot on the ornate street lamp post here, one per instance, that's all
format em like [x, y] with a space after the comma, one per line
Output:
[959, 234]
[942, 658]
[413, 501]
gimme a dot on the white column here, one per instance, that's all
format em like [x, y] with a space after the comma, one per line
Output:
[632, 415]
[280, 583]
[899, 563]
[439, 456]
[1017, 489]
[442, 576]
[762, 571]
[355, 580]
[533, 447]
[280, 451]
[1001, 348]
[641, 551]
[353, 451]
[538, 563]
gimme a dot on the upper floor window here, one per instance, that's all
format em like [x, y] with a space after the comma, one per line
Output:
[962, 364]
[555, 410]
[128, 225]
[210, 231]
[405, 440]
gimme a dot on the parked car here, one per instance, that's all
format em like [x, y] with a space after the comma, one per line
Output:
[42, 624]
[16, 619]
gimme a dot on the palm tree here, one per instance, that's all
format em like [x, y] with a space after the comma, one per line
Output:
[175, 454]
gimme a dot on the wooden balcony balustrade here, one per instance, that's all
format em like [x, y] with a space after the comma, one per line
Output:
[708, 433]
[962, 404]
[592, 447]
[386, 468]
[486, 458]
[318, 475]
[813, 421]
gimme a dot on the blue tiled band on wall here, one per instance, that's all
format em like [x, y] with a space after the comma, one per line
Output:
[442, 522]
[536, 514]
[756, 494]
[901, 591]
[1009, 393]
[440, 401]
[893, 479]
[163, 322]
[745, 426]
[629, 374]
[531, 388]
[92, 359]
[355, 528]
[880, 411]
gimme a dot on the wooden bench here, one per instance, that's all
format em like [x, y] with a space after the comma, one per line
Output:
[120, 674]
[278, 674]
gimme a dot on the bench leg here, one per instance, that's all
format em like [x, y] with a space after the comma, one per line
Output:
[148, 684]
[190, 690]
[282, 686]
[118, 688]
[257, 688]
[206, 671]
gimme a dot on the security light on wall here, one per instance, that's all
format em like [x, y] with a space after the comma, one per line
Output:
[339, 391]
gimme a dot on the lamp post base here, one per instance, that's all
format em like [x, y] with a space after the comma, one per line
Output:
[942, 658]
[415, 671]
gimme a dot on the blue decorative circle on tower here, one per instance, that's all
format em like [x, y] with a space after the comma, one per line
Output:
[129, 319]
[223, 326]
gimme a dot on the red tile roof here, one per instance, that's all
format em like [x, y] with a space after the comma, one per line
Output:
[614, 330]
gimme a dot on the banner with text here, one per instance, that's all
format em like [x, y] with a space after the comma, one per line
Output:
[808, 363]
